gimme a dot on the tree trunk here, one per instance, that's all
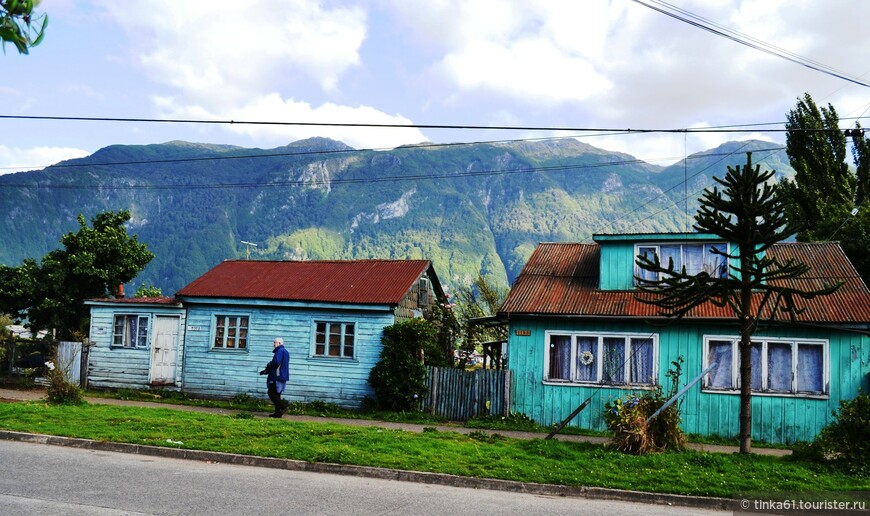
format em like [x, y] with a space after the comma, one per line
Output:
[745, 389]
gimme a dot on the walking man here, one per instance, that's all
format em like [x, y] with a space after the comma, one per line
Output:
[278, 371]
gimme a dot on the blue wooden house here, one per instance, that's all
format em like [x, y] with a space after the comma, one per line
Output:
[576, 330]
[331, 315]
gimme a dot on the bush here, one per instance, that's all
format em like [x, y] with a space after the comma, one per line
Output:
[61, 391]
[846, 440]
[627, 419]
[399, 378]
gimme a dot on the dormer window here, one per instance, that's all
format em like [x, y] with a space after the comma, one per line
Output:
[696, 257]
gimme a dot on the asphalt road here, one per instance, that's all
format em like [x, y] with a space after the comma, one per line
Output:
[48, 480]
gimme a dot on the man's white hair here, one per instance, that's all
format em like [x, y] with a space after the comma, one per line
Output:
[279, 340]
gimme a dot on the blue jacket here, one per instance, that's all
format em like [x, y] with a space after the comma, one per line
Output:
[279, 366]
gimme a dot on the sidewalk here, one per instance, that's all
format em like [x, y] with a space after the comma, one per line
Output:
[29, 395]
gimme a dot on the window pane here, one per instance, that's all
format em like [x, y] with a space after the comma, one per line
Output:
[671, 252]
[142, 337]
[719, 352]
[614, 360]
[756, 366]
[779, 367]
[587, 365]
[694, 255]
[649, 253]
[219, 331]
[810, 368]
[642, 361]
[348, 341]
[231, 333]
[334, 340]
[560, 357]
[243, 333]
[715, 265]
[118, 339]
[130, 332]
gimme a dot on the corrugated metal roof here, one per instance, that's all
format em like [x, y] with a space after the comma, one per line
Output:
[562, 280]
[162, 300]
[351, 281]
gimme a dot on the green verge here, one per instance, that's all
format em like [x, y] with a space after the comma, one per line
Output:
[476, 455]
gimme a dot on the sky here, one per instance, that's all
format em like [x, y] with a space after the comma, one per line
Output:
[534, 64]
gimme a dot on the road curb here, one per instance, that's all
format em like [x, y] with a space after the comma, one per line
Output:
[421, 477]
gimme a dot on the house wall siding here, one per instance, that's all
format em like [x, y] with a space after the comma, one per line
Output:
[775, 418]
[226, 373]
[120, 368]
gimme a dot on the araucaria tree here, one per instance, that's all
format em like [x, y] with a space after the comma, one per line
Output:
[748, 214]
[20, 26]
[92, 263]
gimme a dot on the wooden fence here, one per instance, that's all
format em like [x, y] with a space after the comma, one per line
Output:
[460, 395]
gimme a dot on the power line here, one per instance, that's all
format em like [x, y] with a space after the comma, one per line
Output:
[712, 129]
[719, 30]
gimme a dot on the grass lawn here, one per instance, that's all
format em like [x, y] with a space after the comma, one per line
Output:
[476, 455]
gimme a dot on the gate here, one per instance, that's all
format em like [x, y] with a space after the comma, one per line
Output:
[459, 395]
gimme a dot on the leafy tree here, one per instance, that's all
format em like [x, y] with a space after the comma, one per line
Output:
[92, 263]
[821, 198]
[481, 298]
[19, 26]
[749, 214]
[399, 377]
[148, 291]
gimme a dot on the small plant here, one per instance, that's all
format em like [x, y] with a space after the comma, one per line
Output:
[61, 391]
[628, 419]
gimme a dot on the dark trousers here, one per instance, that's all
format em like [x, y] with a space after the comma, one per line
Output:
[275, 396]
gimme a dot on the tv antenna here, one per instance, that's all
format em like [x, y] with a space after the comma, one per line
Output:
[248, 248]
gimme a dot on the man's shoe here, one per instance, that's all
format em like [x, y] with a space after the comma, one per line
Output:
[275, 415]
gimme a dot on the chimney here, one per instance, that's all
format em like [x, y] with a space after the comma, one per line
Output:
[120, 290]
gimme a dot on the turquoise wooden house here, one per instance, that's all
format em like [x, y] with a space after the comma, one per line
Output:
[331, 315]
[576, 330]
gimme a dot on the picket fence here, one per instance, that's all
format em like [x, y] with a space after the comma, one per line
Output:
[459, 395]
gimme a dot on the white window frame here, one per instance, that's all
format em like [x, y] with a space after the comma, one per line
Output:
[125, 338]
[328, 325]
[764, 342]
[215, 329]
[599, 363]
[656, 247]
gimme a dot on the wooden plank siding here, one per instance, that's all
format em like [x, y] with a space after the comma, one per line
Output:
[124, 368]
[224, 373]
[776, 418]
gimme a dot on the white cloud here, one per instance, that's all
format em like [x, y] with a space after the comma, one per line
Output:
[18, 160]
[220, 52]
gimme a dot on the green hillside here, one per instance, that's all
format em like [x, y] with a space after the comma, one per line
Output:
[469, 208]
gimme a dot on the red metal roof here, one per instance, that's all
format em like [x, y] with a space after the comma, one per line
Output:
[562, 280]
[162, 300]
[351, 281]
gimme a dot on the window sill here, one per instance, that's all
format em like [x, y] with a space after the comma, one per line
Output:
[143, 348]
[335, 360]
[625, 387]
[232, 351]
[805, 395]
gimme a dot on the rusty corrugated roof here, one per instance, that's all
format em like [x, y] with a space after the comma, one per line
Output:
[562, 280]
[350, 281]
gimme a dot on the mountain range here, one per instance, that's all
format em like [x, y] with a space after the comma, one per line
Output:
[469, 208]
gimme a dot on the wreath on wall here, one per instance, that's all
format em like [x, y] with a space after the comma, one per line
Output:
[586, 357]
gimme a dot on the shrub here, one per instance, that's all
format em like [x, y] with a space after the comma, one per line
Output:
[399, 378]
[846, 440]
[627, 419]
[61, 391]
